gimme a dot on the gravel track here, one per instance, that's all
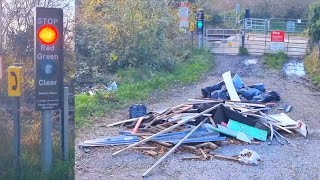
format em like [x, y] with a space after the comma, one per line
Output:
[278, 161]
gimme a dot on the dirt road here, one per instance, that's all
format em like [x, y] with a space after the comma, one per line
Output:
[279, 161]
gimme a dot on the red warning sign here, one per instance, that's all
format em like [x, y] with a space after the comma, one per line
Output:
[277, 36]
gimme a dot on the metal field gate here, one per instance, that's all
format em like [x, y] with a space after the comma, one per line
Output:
[293, 45]
[223, 41]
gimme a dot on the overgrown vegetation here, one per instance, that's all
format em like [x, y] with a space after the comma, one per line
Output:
[314, 24]
[113, 35]
[312, 62]
[243, 51]
[30, 155]
[135, 86]
[275, 61]
[291, 9]
[312, 65]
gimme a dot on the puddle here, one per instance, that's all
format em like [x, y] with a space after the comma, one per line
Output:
[294, 68]
[250, 62]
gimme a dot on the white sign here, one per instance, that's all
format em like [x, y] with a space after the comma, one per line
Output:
[184, 15]
[277, 46]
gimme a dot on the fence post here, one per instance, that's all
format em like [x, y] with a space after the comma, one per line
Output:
[17, 132]
[288, 43]
[64, 125]
[46, 140]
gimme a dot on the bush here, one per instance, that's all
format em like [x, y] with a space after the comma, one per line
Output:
[115, 35]
[314, 24]
[243, 51]
[312, 65]
[275, 61]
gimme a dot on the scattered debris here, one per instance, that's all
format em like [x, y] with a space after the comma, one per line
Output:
[196, 126]
[93, 88]
[287, 108]
[250, 62]
[246, 156]
[249, 157]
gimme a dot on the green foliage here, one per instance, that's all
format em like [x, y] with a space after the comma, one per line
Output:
[312, 65]
[243, 51]
[275, 61]
[32, 171]
[134, 87]
[113, 35]
[314, 24]
[30, 155]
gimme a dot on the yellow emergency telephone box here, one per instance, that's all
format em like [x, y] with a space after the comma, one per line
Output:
[14, 81]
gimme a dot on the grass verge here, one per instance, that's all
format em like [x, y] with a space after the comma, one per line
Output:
[133, 90]
[312, 65]
[275, 61]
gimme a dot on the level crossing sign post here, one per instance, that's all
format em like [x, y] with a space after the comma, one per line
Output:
[48, 56]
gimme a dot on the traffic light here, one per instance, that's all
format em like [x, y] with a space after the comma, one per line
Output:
[48, 58]
[200, 21]
[48, 34]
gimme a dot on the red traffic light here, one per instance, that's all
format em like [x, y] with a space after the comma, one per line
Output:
[48, 34]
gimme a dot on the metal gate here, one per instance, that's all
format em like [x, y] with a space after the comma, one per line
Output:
[257, 39]
[293, 45]
[254, 24]
[223, 41]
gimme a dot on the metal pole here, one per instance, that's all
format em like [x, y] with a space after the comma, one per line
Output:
[174, 148]
[64, 126]
[17, 133]
[288, 43]
[265, 41]
[46, 140]
[199, 41]
[192, 40]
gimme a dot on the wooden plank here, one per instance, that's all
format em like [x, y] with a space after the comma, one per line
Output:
[245, 104]
[136, 127]
[209, 145]
[203, 154]
[269, 120]
[128, 120]
[192, 148]
[283, 119]
[192, 158]
[212, 122]
[249, 130]
[152, 153]
[230, 87]
[226, 157]
[145, 148]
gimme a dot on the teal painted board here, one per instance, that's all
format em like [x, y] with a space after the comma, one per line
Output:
[249, 130]
[226, 131]
[222, 129]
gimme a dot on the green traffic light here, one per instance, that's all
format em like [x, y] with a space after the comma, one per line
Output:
[199, 24]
